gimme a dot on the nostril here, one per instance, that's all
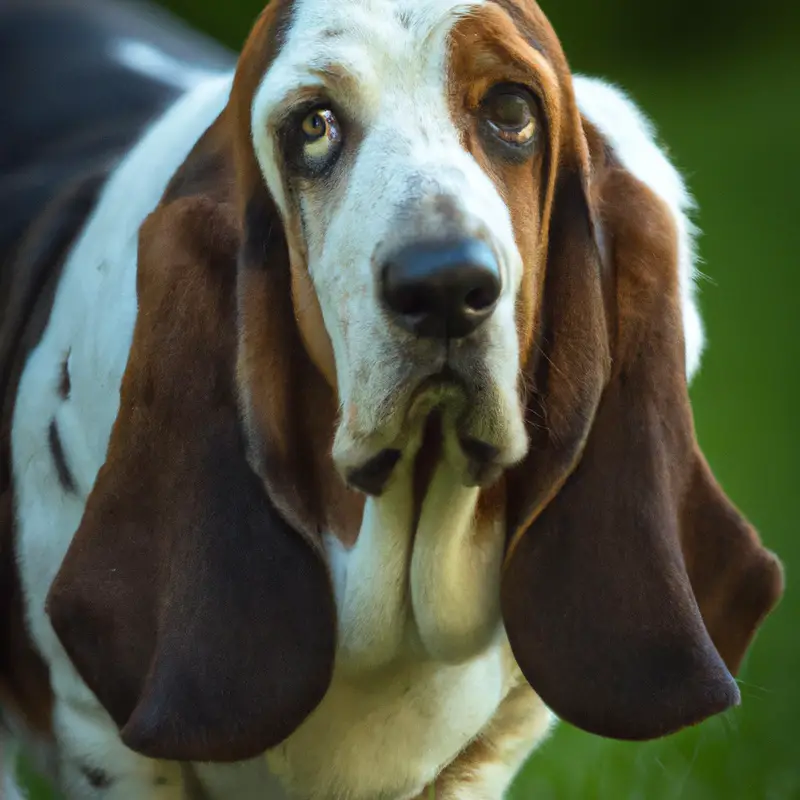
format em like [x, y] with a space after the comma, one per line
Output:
[410, 301]
[480, 299]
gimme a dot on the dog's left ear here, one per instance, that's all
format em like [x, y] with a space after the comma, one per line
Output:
[202, 620]
[632, 587]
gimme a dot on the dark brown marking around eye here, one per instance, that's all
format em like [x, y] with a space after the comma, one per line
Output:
[59, 459]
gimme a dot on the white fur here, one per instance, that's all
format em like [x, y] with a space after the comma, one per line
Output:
[386, 733]
[396, 713]
[147, 60]
[420, 669]
[633, 138]
[370, 581]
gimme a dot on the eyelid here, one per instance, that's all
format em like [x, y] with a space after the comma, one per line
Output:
[507, 134]
[519, 89]
[299, 102]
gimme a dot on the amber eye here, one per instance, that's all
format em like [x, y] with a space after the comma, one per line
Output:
[322, 135]
[510, 114]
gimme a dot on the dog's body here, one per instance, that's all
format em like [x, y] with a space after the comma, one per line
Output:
[426, 689]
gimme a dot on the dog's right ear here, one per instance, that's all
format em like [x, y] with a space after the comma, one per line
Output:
[203, 621]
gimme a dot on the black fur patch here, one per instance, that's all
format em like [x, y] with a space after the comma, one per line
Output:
[96, 778]
[59, 459]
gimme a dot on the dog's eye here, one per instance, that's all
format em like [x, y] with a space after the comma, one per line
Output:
[510, 113]
[322, 135]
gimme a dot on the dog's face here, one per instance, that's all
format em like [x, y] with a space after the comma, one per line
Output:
[405, 145]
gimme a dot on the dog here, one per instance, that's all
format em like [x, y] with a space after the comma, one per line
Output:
[346, 441]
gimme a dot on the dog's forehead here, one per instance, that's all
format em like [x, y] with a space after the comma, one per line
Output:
[378, 29]
[374, 57]
[374, 43]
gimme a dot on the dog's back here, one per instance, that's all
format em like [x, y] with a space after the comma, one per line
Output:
[79, 80]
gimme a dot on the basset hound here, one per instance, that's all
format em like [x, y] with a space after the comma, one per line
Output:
[346, 440]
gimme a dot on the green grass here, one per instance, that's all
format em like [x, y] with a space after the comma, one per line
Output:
[732, 120]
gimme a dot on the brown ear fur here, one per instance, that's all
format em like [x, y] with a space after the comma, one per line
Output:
[614, 501]
[736, 581]
[202, 621]
[290, 422]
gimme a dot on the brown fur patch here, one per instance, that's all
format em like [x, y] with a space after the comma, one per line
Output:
[492, 46]
[260, 49]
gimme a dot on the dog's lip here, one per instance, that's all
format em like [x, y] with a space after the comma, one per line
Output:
[442, 394]
[483, 461]
[372, 476]
[446, 376]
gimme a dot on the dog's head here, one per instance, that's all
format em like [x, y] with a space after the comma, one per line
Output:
[412, 153]
[402, 214]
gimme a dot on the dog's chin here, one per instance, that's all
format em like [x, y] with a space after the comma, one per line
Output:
[440, 420]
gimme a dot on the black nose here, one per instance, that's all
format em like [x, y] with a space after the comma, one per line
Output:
[442, 289]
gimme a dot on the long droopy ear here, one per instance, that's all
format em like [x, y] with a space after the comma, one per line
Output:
[632, 587]
[203, 622]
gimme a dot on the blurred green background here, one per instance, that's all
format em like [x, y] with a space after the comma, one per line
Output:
[722, 82]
